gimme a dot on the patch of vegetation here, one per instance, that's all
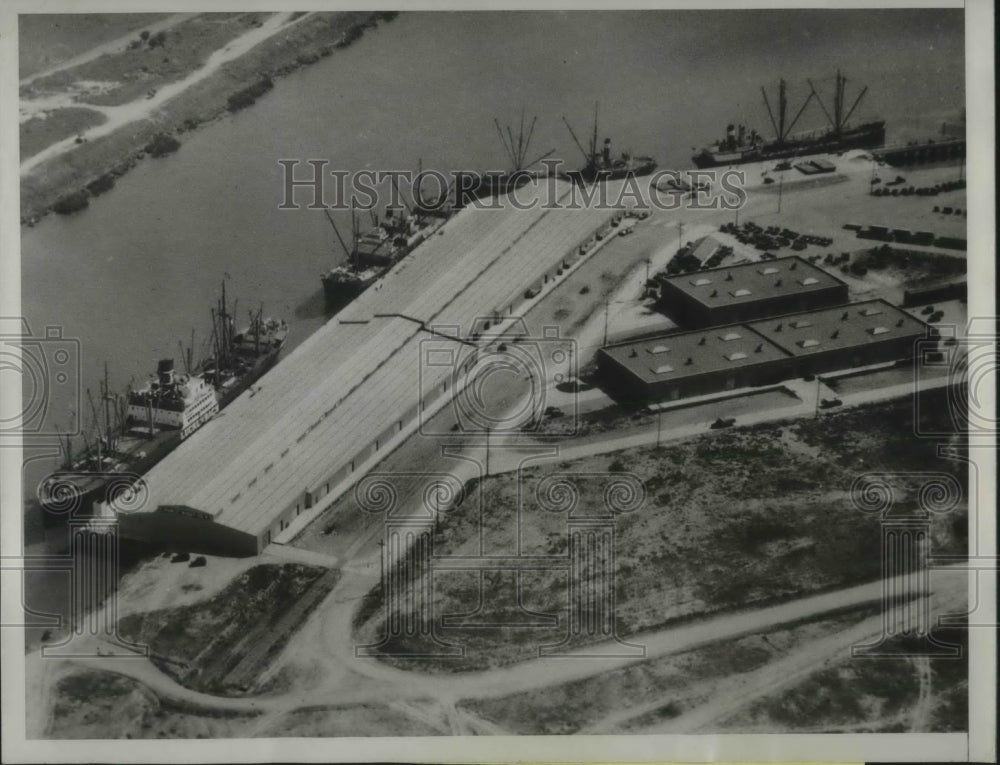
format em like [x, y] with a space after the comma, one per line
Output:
[161, 145]
[103, 184]
[241, 99]
[202, 643]
[38, 133]
[72, 202]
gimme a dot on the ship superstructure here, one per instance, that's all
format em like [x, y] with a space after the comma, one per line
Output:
[602, 165]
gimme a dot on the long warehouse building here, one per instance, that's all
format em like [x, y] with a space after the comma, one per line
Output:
[308, 425]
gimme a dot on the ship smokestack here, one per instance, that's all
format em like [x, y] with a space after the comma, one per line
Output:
[743, 133]
[607, 151]
[165, 371]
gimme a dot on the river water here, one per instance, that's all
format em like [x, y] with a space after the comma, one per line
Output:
[137, 271]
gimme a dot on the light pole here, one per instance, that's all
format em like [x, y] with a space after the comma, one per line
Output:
[487, 451]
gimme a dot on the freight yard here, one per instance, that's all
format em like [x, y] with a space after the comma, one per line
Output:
[540, 467]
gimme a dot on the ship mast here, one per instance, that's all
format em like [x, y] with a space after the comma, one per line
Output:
[106, 397]
[517, 154]
[781, 132]
[839, 119]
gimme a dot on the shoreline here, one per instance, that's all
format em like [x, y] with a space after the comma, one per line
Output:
[67, 182]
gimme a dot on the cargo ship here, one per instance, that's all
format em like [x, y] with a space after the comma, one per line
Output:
[147, 424]
[601, 165]
[240, 357]
[136, 430]
[491, 184]
[371, 254]
[741, 145]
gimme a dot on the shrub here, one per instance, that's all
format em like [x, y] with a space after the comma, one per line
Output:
[76, 200]
[162, 144]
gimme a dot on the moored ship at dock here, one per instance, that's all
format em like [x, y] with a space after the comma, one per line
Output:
[139, 428]
[602, 166]
[372, 254]
[741, 144]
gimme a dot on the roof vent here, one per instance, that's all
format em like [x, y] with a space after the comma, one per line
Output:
[801, 324]
[701, 282]
[736, 356]
[878, 330]
[715, 293]
[729, 336]
[777, 283]
[835, 335]
[729, 276]
[778, 328]
[809, 281]
[793, 265]
[633, 354]
[759, 348]
[702, 341]
[741, 292]
[844, 316]
[658, 349]
[662, 369]
[689, 361]
[769, 270]
[808, 343]
[871, 311]
[900, 322]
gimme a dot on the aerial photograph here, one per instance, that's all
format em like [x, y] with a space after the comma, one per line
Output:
[495, 373]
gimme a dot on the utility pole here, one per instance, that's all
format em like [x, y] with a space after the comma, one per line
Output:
[781, 184]
[607, 305]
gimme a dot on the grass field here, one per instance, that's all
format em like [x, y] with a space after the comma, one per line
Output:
[48, 39]
[204, 645]
[38, 132]
[731, 520]
[91, 704]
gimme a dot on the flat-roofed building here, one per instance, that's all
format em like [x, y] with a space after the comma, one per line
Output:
[714, 359]
[748, 291]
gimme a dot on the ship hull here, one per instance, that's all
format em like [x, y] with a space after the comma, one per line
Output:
[256, 371]
[338, 295]
[869, 136]
[593, 174]
[92, 487]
